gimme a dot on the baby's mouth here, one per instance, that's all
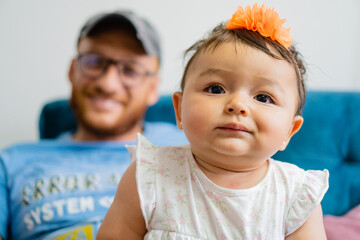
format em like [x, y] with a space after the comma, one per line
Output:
[234, 127]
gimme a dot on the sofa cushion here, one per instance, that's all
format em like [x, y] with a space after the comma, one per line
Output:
[330, 138]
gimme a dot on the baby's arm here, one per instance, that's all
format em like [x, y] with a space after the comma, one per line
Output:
[313, 228]
[124, 219]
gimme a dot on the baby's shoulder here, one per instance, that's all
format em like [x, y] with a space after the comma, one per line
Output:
[295, 174]
[146, 150]
[304, 190]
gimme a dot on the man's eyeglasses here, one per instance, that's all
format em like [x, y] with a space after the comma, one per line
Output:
[94, 66]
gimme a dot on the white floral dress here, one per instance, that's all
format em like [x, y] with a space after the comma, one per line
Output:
[179, 202]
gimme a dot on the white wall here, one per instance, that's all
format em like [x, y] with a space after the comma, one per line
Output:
[37, 40]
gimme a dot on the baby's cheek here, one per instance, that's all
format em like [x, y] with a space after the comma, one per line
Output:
[278, 131]
[193, 119]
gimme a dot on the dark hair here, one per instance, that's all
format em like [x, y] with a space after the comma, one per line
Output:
[220, 35]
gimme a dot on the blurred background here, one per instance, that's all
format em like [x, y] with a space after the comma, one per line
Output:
[37, 42]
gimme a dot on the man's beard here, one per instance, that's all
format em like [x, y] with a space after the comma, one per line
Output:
[102, 132]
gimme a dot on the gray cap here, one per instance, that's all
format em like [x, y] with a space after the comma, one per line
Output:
[146, 33]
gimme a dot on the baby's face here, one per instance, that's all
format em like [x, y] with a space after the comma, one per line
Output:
[238, 104]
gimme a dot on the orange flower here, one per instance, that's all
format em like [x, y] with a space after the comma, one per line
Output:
[263, 20]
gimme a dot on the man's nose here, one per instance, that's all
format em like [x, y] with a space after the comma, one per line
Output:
[111, 81]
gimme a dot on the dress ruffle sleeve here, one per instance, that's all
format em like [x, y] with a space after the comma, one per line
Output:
[145, 156]
[307, 197]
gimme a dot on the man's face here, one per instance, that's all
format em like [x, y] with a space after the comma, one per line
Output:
[105, 107]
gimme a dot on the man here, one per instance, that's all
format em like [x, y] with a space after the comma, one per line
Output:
[61, 189]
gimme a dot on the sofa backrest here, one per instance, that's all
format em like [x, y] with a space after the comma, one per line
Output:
[329, 138]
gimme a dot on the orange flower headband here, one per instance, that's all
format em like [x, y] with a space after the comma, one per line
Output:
[263, 20]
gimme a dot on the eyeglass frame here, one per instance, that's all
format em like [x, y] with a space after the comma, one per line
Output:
[117, 63]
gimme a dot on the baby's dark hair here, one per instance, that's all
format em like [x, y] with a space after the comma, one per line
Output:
[220, 34]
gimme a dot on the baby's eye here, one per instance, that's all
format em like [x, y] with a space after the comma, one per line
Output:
[215, 89]
[264, 98]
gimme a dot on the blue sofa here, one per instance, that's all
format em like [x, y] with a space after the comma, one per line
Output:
[329, 138]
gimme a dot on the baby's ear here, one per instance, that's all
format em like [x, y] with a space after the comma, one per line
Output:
[177, 96]
[296, 125]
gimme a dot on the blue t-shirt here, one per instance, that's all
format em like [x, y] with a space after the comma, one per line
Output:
[61, 189]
